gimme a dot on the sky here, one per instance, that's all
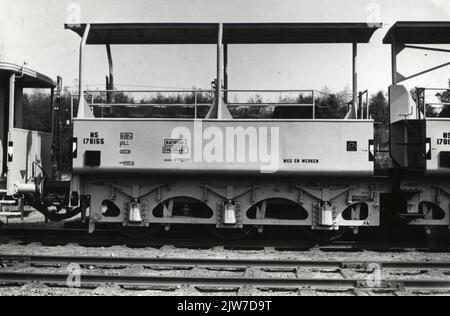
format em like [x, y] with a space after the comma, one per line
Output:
[33, 31]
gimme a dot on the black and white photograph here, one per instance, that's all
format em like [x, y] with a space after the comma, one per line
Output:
[224, 156]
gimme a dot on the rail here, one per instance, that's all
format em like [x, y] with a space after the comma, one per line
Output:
[201, 239]
[222, 263]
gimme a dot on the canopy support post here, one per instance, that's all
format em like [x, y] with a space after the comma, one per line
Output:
[110, 83]
[396, 49]
[355, 78]
[394, 61]
[9, 146]
[219, 110]
[225, 70]
[219, 72]
[82, 111]
[353, 113]
[12, 95]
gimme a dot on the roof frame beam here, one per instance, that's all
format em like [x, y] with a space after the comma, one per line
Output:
[413, 35]
[423, 72]
[233, 33]
[433, 49]
[398, 48]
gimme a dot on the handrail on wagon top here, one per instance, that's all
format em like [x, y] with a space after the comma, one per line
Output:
[310, 97]
[204, 99]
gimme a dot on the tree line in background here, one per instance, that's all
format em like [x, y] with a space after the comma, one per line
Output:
[444, 97]
[37, 111]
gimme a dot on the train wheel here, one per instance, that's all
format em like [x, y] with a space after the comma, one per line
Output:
[229, 234]
[140, 232]
[323, 236]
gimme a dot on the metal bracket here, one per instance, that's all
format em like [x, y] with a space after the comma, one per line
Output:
[220, 212]
[381, 285]
[408, 114]
[300, 195]
[324, 194]
[357, 265]
[229, 193]
[91, 227]
[261, 211]
[133, 192]
[144, 213]
[168, 210]
[21, 207]
[317, 209]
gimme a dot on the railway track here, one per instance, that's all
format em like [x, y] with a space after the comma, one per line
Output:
[108, 238]
[248, 268]
[272, 283]
[220, 263]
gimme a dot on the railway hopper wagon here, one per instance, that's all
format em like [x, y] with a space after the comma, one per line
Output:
[221, 168]
[144, 160]
[419, 129]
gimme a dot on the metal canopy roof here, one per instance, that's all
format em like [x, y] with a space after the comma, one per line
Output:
[31, 79]
[419, 33]
[233, 33]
